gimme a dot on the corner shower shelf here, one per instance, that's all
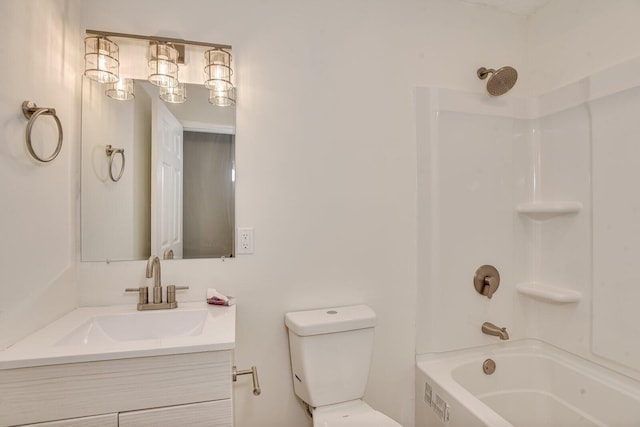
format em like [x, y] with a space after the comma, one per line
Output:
[548, 293]
[545, 210]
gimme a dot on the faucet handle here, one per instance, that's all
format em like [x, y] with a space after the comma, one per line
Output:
[490, 285]
[171, 292]
[486, 280]
[143, 294]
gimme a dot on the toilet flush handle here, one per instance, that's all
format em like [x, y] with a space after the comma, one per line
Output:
[254, 375]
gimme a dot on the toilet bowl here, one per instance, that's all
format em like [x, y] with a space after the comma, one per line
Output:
[355, 413]
[331, 353]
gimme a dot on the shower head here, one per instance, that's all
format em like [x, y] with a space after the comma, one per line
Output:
[501, 81]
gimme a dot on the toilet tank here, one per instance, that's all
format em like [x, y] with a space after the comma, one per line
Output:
[331, 353]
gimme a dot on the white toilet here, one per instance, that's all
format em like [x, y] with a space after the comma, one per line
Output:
[330, 358]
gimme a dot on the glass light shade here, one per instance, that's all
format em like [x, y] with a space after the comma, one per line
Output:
[122, 90]
[101, 59]
[217, 69]
[223, 98]
[174, 95]
[163, 64]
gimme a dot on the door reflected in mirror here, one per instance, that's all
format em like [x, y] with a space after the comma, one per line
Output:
[175, 198]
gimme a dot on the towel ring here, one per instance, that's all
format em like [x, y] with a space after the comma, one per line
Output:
[111, 153]
[31, 111]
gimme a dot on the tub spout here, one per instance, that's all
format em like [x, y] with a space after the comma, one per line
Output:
[491, 329]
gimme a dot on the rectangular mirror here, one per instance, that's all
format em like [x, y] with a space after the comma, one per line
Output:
[175, 195]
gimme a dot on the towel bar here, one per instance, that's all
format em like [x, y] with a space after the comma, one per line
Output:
[254, 375]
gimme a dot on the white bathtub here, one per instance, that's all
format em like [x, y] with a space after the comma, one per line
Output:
[534, 385]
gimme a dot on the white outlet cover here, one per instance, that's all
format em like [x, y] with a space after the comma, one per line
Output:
[244, 240]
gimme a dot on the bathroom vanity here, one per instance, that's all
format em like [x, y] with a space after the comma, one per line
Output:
[113, 366]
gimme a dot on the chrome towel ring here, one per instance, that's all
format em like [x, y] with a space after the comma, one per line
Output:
[111, 153]
[31, 111]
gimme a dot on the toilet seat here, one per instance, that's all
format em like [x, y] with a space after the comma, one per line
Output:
[354, 413]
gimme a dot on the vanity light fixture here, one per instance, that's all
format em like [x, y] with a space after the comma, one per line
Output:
[164, 55]
[122, 90]
[217, 69]
[163, 64]
[223, 98]
[174, 95]
[101, 59]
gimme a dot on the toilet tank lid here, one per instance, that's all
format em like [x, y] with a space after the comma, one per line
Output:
[330, 320]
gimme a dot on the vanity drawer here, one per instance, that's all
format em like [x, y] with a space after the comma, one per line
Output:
[109, 420]
[92, 388]
[206, 414]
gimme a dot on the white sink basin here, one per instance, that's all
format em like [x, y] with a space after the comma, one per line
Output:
[141, 325]
[103, 333]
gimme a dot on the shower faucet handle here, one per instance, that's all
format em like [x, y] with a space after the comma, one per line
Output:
[491, 284]
[486, 280]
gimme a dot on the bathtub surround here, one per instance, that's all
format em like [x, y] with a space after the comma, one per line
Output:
[551, 232]
[470, 163]
[615, 130]
[314, 133]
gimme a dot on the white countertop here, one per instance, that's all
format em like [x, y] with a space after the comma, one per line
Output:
[62, 341]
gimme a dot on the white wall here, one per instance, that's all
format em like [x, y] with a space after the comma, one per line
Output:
[326, 168]
[453, 39]
[571, 39]
[325, 154]
[37, 257]
[325, 175]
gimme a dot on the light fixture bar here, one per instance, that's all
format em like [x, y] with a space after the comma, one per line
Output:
[157, 39]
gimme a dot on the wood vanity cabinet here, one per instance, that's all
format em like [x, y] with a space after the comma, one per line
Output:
[191, 389]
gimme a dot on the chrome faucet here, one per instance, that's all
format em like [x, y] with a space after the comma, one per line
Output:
[154, 265]
[153, 271]
[491, 329]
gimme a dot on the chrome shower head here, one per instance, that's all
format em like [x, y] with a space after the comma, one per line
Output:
[501, 81]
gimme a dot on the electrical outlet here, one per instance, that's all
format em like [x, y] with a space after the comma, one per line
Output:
[244, 244]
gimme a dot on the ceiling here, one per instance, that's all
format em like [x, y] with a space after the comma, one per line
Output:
[519, 7]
